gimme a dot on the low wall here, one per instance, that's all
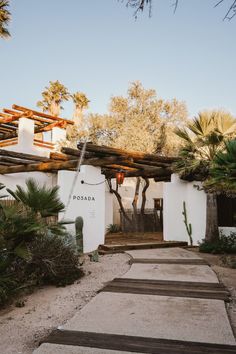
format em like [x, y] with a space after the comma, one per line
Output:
[227, 230]
[174, 194]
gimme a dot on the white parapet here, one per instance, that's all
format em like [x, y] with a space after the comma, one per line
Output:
[88, 201]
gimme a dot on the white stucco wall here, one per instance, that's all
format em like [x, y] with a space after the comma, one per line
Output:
[227, 230]
[87, 201]
[11, 180]
[174, 194]
[127, 189]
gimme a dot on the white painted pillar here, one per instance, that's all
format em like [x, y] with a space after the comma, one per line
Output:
[88, 201]
[174, 194]
[25, 134]
[58, 134]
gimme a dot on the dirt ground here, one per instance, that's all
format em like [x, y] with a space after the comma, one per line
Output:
[227, 276]
[21, 329]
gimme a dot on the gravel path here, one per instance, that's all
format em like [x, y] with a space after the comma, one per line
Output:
[21, 329]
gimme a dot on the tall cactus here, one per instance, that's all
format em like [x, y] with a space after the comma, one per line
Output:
[79, 223]
[187, 225]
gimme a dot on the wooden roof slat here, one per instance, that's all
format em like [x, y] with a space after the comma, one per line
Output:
[15, 161]
[40, 114]
[55, 165]
[27, 114]
[24, 156]
[119, 152]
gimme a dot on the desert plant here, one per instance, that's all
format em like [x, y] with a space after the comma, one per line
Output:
[31, 250]
[49, 267]
[187, 225]
[79, 223]
[225, 244]
[113, 228]
[204, 139]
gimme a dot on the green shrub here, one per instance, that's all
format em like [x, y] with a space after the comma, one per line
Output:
[8, 287]
[113, 228]
[226, 244]
[53, 261]
[229, 261]
[32, 251]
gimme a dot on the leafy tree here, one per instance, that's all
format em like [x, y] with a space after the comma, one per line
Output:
[204, 138]
[140, 122]
[53, 97]
[5, 17]
[140, 5]
[81, 103]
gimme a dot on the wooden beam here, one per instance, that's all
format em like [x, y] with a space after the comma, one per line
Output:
[28, 114]
[161, 173]
[5, 163]
[55, 166]
[61, 157]
[15, 161]
[152, 163]
[40, 114]
[120, 167]
[133, 154]
[24, 156]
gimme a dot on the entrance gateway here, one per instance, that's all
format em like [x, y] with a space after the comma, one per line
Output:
[24, 153]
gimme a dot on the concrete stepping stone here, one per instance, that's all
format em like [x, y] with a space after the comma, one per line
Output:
[126, 344]
[47, 348]
[199, 320]
[179, 272]
[165, 253]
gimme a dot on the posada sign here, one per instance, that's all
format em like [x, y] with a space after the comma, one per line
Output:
[84, 198]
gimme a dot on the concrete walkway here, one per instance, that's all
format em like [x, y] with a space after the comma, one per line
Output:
[168, 317]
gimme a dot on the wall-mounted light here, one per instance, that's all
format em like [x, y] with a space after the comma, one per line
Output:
[120, 177]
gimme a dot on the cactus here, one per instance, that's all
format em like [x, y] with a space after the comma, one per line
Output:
[188, 225]
[94, 257]
[79, 223]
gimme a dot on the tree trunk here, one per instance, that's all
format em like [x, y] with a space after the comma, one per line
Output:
[135, 202]
[144, 198]
[119, 199]
[212, 231]
[144, 195]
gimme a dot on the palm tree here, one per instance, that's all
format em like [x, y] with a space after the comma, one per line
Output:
[5, 17]
[223, 172]
[40, 200]
[81, 102]
[53, 96]
[204, 138]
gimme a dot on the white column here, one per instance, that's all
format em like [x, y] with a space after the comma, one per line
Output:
[88, 201]
[58, 134]
[25, 134]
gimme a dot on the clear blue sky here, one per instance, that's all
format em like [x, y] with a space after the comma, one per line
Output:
[96, 46]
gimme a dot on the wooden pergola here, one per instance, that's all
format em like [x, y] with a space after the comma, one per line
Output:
[9, 121]
[111, 160]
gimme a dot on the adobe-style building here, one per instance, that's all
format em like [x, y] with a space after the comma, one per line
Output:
[28, 148]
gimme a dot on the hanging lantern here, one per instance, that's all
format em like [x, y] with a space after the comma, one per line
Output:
[120, 177]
